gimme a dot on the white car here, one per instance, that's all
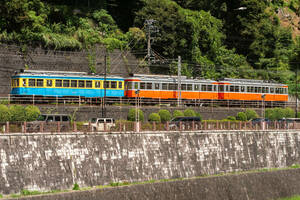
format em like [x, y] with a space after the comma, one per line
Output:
[98, 124]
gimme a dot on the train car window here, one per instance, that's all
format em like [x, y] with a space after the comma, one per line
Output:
[107, 84]
[49, 83]
[277, 90]
[281, 90]
[259, 89]
[149, 86]
[164, 86]
[196, 87]
[189, 87]
[236, 88]
[136, 85]
[66, 83]
[231, 88]
[120, 84]
[31, 82]
[97, 84]
[142, 85]
[89, 84]
[58, 83]
[221, 88]
[227, 88]
[203, 87]
[156, 86]
[248, 89]
[209, 87]
[272, 90]
[172, 86]
[183, 86]
[267, 90]
[24, 82]
[57, 118]
[113, 84]
[285, 90]
[39, 82]
[81, 84]
[242, 88]
[256, 89]
[74, 83]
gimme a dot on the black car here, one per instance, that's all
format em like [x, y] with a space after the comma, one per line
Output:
[258, 121]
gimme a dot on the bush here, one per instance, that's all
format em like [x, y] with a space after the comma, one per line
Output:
[4, 113]
[76, 187]
[177, 113]
[132, 114]
[241, 116]
[32, 113]
[251, 114]
[165, 115]
[279, 113]
[231, 118]
[189, 113]
[199, 115]
[154, 117]
[289, 113]
[17, 113]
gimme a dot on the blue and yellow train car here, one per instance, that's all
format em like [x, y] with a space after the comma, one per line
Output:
[65, 84]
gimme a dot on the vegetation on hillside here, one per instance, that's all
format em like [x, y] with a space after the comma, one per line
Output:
[215, 39]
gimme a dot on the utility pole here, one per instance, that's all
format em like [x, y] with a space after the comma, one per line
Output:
[104, 86]
[151, 28]
[179, 81]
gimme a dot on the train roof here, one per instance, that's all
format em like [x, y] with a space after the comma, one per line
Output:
[64, 74]
[166, 78]
[250, 82]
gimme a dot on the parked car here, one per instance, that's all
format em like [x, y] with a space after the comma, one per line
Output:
[258, 121]
[54, 118]
[99, 123]
[185, 121]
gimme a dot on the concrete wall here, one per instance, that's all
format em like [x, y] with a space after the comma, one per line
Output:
[258, 186]
[56, 161]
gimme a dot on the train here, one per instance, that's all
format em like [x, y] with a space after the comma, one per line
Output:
[153, 88]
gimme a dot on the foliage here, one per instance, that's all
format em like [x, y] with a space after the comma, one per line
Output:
[28, 192]
[241, 116]
[189, 113]
[4, 113]
[76, 187]
[154, 117]
[177, 113]
[279, 113]
[17, 113]
[231, 118]
[132, 115]
[32, 113]
[165, 115]
[251, 114]
[199, 115]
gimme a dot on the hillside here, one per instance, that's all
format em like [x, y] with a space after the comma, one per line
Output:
[244, 39]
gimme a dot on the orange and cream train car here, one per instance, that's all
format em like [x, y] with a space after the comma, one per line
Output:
[166, 87]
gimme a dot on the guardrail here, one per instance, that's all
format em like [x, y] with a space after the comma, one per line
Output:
[125, 126]
[80, 101]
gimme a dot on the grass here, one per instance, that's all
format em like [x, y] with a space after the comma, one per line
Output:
[291, 198]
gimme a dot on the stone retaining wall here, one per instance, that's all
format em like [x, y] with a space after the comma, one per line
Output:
[56, 161]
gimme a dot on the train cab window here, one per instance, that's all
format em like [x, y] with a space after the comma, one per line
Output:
[231, 88]
[272, 90]
[203, 87]
[242, 88]
[136, 86]
[196, 87]
[236, 88]
[285, 90]
[66, 83]
[120, 84]
[49, 83]
[31, 82]
[221, 88]
[209, 87]
[164, 86]
[189, 87]
[142, 85]
[16, 82]
[81, 84]
[89, 84]
[183, 86]
[156, 86]
[39, 82]
[149, 86]
[58, 83]
[74, 83]
[97, 84]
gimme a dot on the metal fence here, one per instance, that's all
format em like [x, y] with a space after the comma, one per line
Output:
[125, 126]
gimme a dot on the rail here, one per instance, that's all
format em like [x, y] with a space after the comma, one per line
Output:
[81, 101]
[126, 127]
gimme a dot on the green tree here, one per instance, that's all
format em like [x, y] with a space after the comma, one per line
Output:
[165, 115]
[189, 113]
[177, 113]
[32, 113]
[132, 115]
[154, 117]
[251, 114]
[241, 116]
[4, 113]
[17, 113]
